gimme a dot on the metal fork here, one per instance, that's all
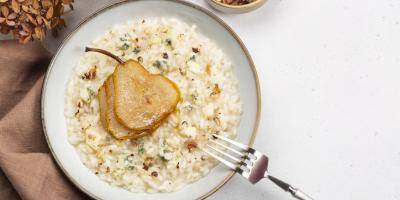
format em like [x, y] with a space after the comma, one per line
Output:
[250, 163]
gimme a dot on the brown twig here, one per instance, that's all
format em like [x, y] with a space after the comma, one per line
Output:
[107, 53]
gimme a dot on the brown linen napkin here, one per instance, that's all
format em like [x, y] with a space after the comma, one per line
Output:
[28, 170]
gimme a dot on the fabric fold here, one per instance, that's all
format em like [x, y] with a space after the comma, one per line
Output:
[28, 169]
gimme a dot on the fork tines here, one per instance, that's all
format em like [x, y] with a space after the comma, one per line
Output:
[249, 163]
[241, 152]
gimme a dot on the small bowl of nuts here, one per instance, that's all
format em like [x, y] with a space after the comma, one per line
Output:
[236, 6]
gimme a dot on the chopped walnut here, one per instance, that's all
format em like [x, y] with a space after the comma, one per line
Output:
[145, 167]
[216, 90]
[184, 123]
[202, 158]
[79, 104]
[236, 2]
[227, 1]
[217, 120]
[77, 113]
[165, 55]
[190, 145]
[140, 59]
[181, 71]
[154, 173]
[91, 74]
[147, 163]
[195, 50]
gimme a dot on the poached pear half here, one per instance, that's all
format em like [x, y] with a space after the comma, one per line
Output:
[133, 102]
[142, 100]
[113, 126]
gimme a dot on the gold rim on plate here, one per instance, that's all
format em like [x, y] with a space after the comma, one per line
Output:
[112, 5]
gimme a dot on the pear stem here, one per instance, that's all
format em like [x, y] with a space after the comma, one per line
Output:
[107, 53]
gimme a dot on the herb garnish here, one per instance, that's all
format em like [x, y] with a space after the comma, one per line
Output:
[125, 46]
[141, 149]
[136, 50]
[163, 158]
[157, 64]
[169, 42]
[188, 108]
[194, 96]
[91, 93]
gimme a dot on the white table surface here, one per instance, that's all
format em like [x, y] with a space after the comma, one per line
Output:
[330, 80]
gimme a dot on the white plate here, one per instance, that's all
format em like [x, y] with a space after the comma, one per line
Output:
[60, 69]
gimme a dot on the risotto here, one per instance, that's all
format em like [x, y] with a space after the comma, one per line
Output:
[171, 157]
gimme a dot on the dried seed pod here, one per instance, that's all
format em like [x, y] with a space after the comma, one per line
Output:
[46, 3]
[15, 6]
[25, 8]
[31, 19]
[39, 20]
[35, 4]
[50, 13]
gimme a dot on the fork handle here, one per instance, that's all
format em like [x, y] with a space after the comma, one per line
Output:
[296, 193]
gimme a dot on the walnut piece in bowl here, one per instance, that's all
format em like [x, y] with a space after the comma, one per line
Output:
[236, 6]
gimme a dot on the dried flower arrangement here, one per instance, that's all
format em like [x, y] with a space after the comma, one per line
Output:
[30, 20]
